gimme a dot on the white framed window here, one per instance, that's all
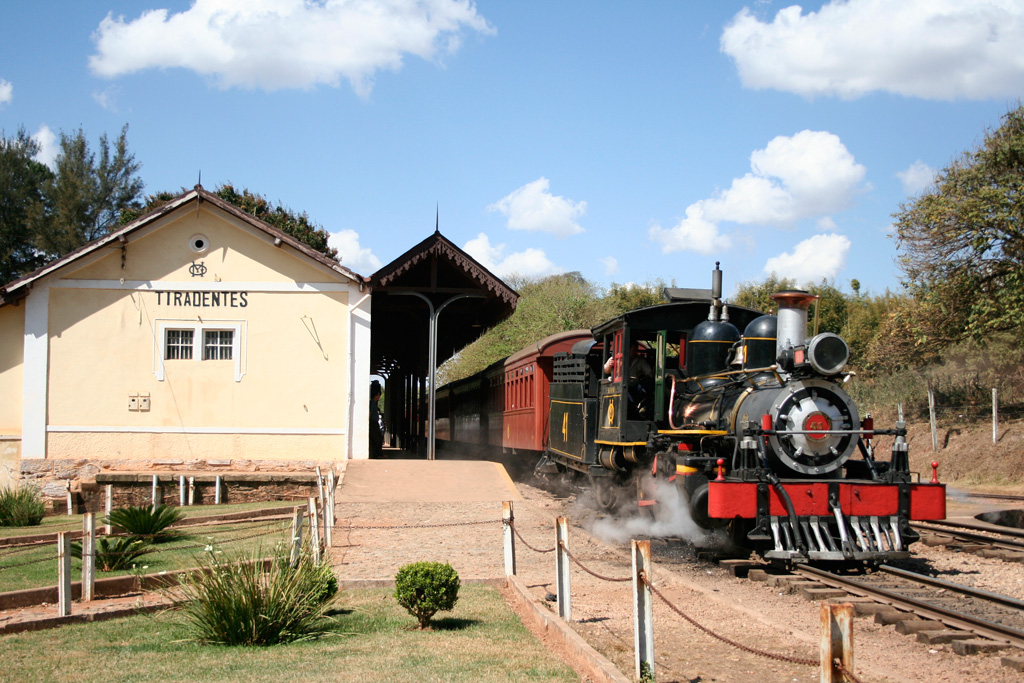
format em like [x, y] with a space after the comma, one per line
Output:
[218, 344]
[193, 341]
[178, 345]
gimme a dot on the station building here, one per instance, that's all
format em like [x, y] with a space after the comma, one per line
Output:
[199, 334]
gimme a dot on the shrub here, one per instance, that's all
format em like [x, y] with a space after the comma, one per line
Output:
[115, 552]
[21, 507]
[246, 603]
[147, 522]
[425, 588]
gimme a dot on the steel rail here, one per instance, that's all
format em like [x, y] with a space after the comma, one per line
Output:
[953, 529]
[958, 620]
[997, 598]
[995, 496]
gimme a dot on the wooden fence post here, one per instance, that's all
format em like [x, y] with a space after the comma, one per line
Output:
[314, 529]
[217, 484]
[562, 588]
[643, 613]
[71, 503]
[63, 574]
[836, 641]
[507, 519]
[108, 505]
[296, 536]
[88, 556]
[995, 415]
[157, 498]
[931, 416]
[191, 490]
[181, 490]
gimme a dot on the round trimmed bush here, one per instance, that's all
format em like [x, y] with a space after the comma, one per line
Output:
[425, 588]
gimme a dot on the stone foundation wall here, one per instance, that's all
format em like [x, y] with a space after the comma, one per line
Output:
[242, 481]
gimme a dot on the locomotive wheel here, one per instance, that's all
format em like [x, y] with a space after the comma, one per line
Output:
[606, 493]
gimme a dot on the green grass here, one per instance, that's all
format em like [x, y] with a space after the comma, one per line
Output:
[178, 554]
[373, 640]
[54, 523]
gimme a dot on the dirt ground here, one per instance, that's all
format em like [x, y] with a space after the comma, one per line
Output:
[376, 538]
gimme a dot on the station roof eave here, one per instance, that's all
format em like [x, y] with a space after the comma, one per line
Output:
[439, 271]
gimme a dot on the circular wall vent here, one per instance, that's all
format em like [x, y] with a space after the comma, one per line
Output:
[199, 243]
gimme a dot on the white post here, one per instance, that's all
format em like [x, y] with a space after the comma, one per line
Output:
[191, 490]
[108, 505]
[88, 556]
[995, 415]
[181, 490]
[156, 497]
[71, 504]
[643, 614]
[931, 416]
[329, 511]
[507, 519]
[562, 587]
[296, 536]
[63, 574]
[836, 641]
[216, 490]
[314, 529]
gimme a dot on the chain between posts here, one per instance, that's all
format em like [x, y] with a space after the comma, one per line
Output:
[741, 646]
[416, 526]
[520, 536]
[590, 571]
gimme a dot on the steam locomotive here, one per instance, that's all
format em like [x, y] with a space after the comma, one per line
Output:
[754, 429]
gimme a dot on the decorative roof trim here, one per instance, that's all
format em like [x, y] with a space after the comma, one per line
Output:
[438, 245]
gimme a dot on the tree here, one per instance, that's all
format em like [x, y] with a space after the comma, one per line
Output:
[962, 242]
[624, 298]
[830, 310]
[298, 225]
[23, 205]
[87, 195]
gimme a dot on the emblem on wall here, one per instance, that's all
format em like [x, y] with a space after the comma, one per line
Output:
[197, 269]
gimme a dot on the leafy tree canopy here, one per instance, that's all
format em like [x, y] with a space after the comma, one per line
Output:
[962, 242]
[23, 205]
[87, 194]
[298, 225]
[626, 297]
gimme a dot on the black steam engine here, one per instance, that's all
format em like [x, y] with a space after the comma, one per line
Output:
[755, 429]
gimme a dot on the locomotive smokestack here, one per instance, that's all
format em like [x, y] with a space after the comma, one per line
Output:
[793, 305]
[716, 294]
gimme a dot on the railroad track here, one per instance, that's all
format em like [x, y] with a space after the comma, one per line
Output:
[1003, 543]
[994, 496]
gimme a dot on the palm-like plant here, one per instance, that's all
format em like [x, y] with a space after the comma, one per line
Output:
[147, 522]
[116, 552]
[22, 506]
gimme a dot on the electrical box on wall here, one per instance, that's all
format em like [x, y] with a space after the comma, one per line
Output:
[144, 401]
[133, 401]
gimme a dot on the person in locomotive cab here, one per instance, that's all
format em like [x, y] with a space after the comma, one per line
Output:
[641, 380]
[376, 423]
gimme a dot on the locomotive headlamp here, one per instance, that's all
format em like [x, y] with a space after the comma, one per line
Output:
[828, 354]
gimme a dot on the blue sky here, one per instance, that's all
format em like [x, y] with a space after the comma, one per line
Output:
[628, 141]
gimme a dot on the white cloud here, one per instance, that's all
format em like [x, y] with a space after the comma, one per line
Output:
[48, 146]
[352, 256]
[817, 257]
[533, 208]
[935, 49]
[528, 263]
[808, 175]
[611, 265]
[275, 44]
[105, 98]
[916, 178]
[6, 92]
[692, 233]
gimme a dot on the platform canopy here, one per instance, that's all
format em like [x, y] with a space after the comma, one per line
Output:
[437, 270]
[435, 285]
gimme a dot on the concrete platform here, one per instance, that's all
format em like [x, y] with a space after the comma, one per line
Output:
[425, 481]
